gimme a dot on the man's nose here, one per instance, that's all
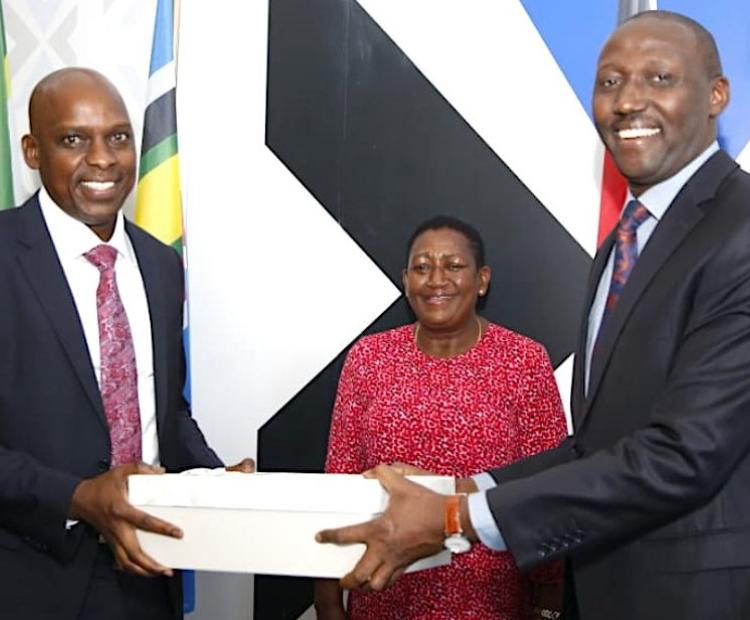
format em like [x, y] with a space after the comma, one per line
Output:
[100, 153]
[631, 96]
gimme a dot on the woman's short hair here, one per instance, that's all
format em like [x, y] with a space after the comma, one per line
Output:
[439, 222]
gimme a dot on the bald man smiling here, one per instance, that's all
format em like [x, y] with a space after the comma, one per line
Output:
[91, 370]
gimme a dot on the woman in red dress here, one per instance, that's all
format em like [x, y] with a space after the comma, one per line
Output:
[452, 394]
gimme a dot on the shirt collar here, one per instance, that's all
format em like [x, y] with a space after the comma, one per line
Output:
[73, 238]
[658, 198]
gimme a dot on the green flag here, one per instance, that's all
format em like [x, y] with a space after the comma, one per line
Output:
[6, 169]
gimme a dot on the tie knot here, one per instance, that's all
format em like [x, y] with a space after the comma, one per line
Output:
[102, 257]
[633, 216]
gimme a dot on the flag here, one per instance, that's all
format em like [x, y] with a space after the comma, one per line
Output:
[6, 169]
[158, 204]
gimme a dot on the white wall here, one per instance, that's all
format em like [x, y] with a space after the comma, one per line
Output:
[111, 36]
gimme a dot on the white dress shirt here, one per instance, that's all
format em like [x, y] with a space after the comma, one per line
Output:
[72, 239]
[657, 200]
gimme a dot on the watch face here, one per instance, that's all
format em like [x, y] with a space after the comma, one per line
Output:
[457, 543]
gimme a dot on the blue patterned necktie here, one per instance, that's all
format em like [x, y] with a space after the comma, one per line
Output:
[626, 252]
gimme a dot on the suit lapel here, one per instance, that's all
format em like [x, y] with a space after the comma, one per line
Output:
[683, 214]
[151, 274]
[41, 266]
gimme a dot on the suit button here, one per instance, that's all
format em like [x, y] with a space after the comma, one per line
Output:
[576, 452]
[102, 465]
[544, 549]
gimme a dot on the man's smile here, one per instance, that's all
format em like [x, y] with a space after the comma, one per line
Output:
[634, 133]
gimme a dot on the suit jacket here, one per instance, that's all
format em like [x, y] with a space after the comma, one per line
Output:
[650, 500]
[53, 430]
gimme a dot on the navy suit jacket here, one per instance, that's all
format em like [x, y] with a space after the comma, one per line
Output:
[650, 500]
[53, 431]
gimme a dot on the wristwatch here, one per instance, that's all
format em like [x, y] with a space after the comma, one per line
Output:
[455, 541]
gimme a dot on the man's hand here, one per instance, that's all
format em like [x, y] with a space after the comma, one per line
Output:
[102, 502]
[246, 466]
[411, 528]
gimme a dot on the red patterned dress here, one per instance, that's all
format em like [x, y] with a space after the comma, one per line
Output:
[458, 416]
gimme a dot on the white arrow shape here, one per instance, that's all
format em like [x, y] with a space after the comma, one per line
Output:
[744, 158]
[277, 287]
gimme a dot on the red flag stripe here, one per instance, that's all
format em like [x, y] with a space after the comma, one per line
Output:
[614, 188]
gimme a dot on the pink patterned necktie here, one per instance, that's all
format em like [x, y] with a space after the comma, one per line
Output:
[626, 252]
[119, 376]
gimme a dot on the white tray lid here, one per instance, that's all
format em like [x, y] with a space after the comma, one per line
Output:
[291, 492]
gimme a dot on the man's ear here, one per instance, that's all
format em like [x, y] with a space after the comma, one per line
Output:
[30, 151]
[719, 96]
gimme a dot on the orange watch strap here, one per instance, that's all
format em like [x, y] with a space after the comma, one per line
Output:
[453, 515]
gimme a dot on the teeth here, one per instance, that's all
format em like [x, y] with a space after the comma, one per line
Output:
[98, 185]
[637, 132]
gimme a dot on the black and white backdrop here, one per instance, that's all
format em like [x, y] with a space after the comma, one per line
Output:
[314, 135]
[374, 115]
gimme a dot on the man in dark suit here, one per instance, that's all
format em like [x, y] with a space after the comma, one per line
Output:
[67, 532]
[649, 501]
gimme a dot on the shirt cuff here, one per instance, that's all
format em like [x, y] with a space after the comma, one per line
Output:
[483, 523]
[484, 481]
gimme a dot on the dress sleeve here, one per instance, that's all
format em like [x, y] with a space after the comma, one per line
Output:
[345, 450]
[542, 423]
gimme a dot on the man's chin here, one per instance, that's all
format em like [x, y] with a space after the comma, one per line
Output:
[101, 213]
[636, 172]
[101, 221]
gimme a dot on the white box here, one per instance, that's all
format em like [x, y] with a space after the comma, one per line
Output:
[264, 522]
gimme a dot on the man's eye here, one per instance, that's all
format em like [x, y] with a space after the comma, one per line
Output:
[421, 268]
[121, 136]
[455, 267]
[608, 82]
[72, 139]
[662, 78]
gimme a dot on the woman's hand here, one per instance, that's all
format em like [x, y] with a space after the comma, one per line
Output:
[463, 485]
[331, 613]
[546, 601]
[404, 469]
[329, 603]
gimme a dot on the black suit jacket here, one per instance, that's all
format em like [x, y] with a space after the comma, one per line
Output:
[651, 498]
[53, 431]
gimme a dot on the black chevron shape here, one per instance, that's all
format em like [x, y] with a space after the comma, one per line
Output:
[381, 149]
